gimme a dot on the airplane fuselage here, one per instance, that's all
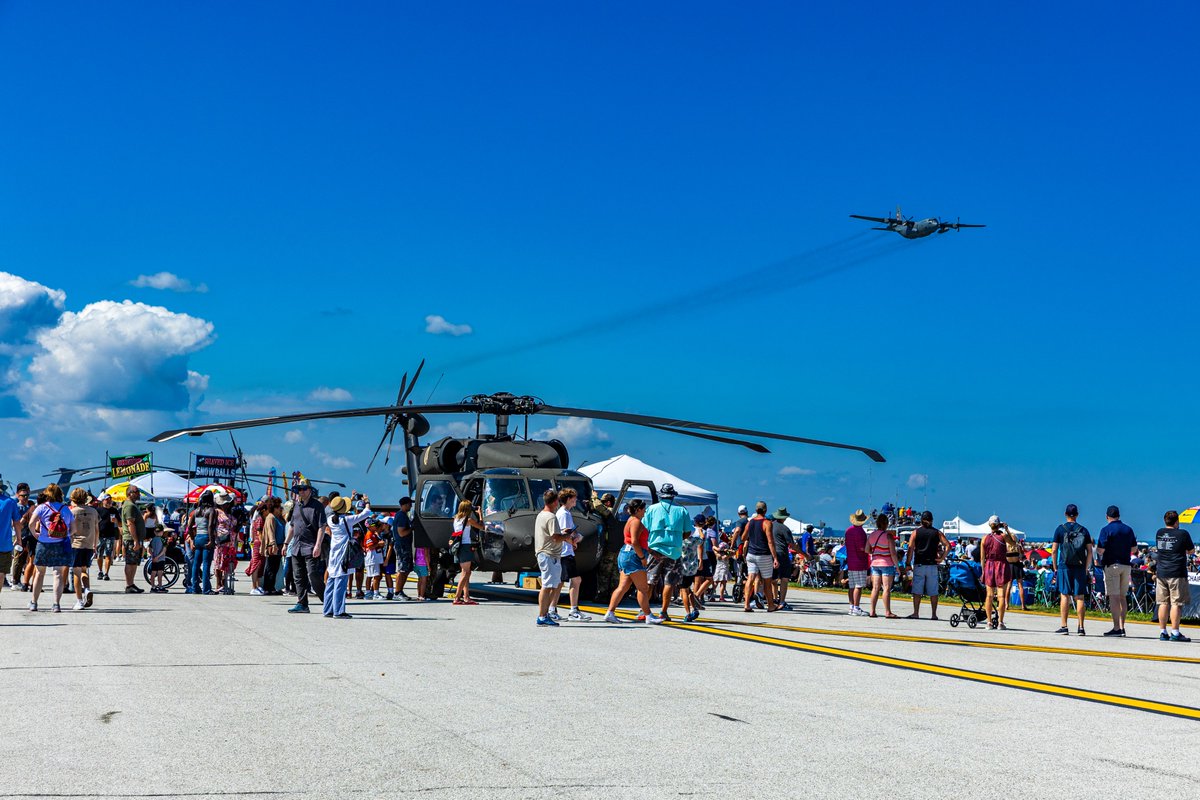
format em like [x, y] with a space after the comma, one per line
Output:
[916, 230]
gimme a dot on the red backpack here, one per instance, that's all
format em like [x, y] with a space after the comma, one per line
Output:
[56, 526]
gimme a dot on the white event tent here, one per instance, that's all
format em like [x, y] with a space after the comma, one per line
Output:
[960, 527]
[164, 485]
[609, 475]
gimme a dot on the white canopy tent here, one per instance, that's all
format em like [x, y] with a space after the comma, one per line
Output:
[609, 475]
[960, 527]
[164, 485]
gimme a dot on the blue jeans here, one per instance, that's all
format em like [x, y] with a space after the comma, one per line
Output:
[201, 566]
[335, 595]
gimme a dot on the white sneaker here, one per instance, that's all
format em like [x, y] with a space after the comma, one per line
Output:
[612, 619]
[79, 606]
[654, 619]
[554, 616]
[575, 616]
[853, 612]
[32, 606]
[257, 592]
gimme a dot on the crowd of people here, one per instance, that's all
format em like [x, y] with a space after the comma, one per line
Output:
[335, 547]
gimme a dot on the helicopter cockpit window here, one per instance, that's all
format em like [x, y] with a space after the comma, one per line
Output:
[505, 494]
[437, 499]
[581, 487]
[538, 487]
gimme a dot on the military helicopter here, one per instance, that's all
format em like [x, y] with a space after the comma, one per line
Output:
[919, 229]
[500, 473]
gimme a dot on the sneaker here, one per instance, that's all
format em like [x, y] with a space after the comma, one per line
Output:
[132, 590]
[88, 597]
[359, 595]
[79, 606]
[575, 616]
[546, 622]
[1122, 633]
[105, 576]
[1081, 632]
[692, 617]
[390, 596]
[56, 608]
[343, 615]
[369, 596]
[33, 607]
[612, 619]
[553, 615]
[1163, 636]
[298, 609]
[137, 589]
[1064, 630]
[853, 612]
[403, 596]
[654, 619]
[664, 618]
[257, 592]
[1179, 637]
[640, 618]
[1113, 632]
[328, 616]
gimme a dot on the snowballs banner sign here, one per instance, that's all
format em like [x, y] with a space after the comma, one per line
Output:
[129, 467]
[221, 467]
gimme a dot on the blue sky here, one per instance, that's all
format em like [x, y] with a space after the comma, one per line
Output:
[333, 175]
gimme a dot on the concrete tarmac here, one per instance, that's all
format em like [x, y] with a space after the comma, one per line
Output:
[180, 696]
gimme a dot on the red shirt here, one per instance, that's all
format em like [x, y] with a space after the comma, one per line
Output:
[643, 535]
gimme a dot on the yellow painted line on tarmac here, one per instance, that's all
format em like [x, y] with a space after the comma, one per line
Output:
[1121, 701]
[1040, 687]
[897, 637]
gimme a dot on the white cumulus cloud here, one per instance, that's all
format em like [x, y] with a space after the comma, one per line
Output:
[261, 461]
[127, 356]
[167, 281]
[331, 461]
[294, 436]
[788, 472]
[574, 431]
[437, 324]
[918, 480]
[25, 307]
[326, 394]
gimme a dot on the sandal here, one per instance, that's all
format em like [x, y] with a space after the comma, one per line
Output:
[891, 616]
[873, 615]
[470, 603]
[912, 616]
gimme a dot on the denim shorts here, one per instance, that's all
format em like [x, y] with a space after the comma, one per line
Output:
[886, 571]
[628, 561]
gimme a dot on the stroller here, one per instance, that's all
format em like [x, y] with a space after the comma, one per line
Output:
[965, 579]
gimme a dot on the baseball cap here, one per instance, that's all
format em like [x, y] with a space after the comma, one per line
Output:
[743, 510]
[926, 516]
[1072, 510]
[1114, 512]
[104, 496]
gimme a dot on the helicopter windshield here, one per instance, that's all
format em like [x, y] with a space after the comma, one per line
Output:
[582, 488]
[538, 487]
[505, 494]
[437, 499]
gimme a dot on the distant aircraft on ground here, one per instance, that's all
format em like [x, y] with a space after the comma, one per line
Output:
[910, 229]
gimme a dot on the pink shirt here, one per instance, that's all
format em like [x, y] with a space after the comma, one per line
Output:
[881, 552]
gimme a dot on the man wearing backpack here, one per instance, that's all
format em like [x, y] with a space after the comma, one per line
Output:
[1072, 556]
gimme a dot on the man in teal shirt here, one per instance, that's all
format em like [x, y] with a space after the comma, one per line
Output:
[667, 523]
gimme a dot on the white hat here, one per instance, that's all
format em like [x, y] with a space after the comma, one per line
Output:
[103, 496]
[993, 519]
[221, 498]
[743, 510]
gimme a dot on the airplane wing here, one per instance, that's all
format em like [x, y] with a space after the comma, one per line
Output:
[882, 220]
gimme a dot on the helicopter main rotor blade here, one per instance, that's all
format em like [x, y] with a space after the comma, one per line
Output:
[387, 429]
[349, 413]
[755, 446]
[677, 425]
[412, 385]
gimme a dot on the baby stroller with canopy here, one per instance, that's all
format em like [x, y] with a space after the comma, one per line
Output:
[966, 580]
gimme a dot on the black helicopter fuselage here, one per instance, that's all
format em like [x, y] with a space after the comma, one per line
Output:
[505, 480]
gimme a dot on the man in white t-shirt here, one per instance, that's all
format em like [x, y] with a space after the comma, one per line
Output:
[567, 498]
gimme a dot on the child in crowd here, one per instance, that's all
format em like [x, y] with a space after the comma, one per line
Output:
[373, 558]
[421, 565]
[158, 561]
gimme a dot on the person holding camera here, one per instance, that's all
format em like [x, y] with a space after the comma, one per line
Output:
[997, 573]
[340, 527]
